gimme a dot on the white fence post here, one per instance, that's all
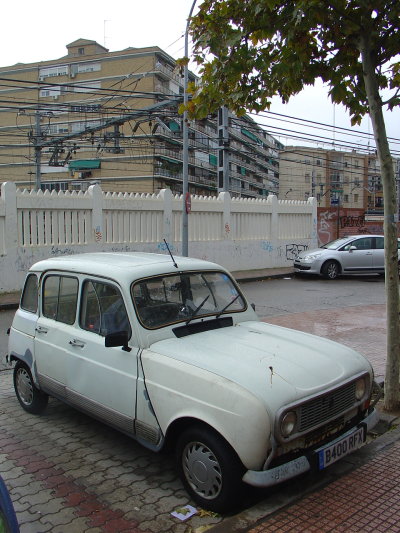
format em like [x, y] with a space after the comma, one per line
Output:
[9, 195]
[226, 229]
[96, 194]
[166, 196]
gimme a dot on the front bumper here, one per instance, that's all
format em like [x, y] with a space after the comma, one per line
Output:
[274, 476]
[307, 268]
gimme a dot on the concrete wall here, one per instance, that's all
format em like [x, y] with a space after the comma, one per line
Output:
[240, 234]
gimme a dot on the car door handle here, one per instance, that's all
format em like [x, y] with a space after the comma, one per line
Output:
[77, 343]
[41, 329]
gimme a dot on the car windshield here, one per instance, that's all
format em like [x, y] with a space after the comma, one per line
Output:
[171, 298]
[334, 245]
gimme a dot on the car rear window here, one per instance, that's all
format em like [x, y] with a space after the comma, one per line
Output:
[29, 300]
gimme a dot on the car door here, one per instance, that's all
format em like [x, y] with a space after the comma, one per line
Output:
[357, 255]
[54, 328]
[378, 254]
[100, 380]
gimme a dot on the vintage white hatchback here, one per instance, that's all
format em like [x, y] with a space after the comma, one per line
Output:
[170, 352]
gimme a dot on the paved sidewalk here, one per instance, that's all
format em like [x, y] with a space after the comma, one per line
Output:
[365, 500]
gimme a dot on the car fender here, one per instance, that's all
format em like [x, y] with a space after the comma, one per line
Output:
[21, 349]
[178, 390]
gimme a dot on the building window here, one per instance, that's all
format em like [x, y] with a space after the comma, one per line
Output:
[87, 87]
[54, 186]
[53, 71]
[355, 198]
[81, 51]
[47, 92]
[346, 198]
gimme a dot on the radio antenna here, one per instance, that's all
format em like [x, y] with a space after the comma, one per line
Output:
[169, 251]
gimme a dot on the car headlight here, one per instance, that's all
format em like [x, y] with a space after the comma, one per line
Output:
[360, 388]
[310, 258]
[288, 423]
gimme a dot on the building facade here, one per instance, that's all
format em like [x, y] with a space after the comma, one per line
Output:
[112, 118]
[349, 179]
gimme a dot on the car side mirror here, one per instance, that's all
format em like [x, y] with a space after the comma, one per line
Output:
[118, 338]
[352, 248]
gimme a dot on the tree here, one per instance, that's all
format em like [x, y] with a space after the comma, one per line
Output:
[251, 50]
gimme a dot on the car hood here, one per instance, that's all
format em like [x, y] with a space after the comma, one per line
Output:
[276, 364]
[311, 251]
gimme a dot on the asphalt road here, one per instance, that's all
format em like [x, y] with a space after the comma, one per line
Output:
[294, 295]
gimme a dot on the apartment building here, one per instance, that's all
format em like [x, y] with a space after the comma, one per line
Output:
[350, 179]
[95, 116]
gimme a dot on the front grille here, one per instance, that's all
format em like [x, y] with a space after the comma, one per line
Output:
[324, 408]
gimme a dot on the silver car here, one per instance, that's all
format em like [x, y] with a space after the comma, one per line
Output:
[348, 255]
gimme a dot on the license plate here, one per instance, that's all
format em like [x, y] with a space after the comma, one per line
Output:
[341, 447]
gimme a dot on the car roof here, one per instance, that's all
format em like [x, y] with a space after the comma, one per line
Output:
[121, 266]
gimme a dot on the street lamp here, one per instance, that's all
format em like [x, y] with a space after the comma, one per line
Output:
[185, 135]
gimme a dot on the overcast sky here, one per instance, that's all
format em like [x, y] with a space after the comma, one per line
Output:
[36, 31]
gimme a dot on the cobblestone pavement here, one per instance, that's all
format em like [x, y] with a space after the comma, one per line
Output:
[69, 474]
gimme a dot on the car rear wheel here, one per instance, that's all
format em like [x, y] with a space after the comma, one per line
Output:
[209, 468]
[330, 270]
[30, 397]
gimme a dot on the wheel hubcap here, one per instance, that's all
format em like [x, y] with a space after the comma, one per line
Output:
[332, 271]
[24, 386]
[202, 470]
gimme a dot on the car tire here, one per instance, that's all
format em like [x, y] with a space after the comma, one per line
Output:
[330, 270]
[29, 396]
[209, 469]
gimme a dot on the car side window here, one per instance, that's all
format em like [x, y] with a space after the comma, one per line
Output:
[360, 244]
[102, 309]
[60, 295]
[379, 243]
[29, 300]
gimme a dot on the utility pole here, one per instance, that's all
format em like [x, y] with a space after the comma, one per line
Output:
[185, 147]
[38, 150]
[223, 152]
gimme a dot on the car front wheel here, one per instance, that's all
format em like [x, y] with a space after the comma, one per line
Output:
[30, 397]
[330, 270]
[209, 468]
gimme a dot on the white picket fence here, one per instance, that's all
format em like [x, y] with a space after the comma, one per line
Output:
[240, 234]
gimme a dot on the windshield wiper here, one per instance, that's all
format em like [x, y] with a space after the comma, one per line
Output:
[227, 305]
[197, 310]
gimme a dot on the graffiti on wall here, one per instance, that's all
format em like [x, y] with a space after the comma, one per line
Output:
[352, 222]
[326, 227]
[293, 250]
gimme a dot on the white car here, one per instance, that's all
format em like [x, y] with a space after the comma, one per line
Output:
[170, 352]
[357, 254]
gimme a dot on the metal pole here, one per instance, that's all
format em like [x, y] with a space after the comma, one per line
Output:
[185, 139]
[38, 151]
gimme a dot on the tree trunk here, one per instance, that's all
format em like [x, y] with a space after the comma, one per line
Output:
[392, 385]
